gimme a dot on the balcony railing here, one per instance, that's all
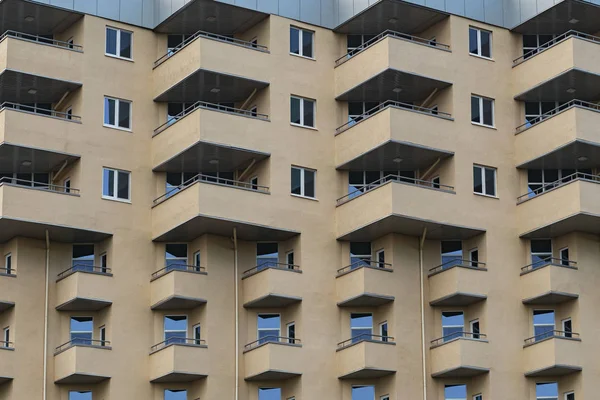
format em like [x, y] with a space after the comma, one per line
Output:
[209, 106]
[7, 271]
[6, 345]
[559, 262]
[40, 111]
[458, 335]
[42, 40]
[393, 178]
[551, 334]
[82, 342]
[214, 181]
[364, 263]
[212, 36]
[387, 104]
[178, 267]
[394, 34]
[559, 183]
[271, 265]
[563, 107]
[37, 185]
[457, 263]
[177, 340]
[83, 268]
[271, 339]
[553, 42]
[365, 337]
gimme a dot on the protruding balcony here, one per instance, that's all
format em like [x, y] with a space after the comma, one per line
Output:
[366, 356]
[552, 282]
[179, 360]
[5, 305]
[552, 353]
[460, 355]
[271, 286]
[458, 283]
[83, 361]
[7, 362]
[84, 288]
[365, 284]
[178, 287]
[273, 358]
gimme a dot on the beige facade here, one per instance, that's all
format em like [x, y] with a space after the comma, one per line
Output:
[153, 282]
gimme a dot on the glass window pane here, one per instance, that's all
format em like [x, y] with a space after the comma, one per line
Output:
[108, 183]
[550, 175]
[534, 175]
[477, 180]
[532, 108]
[294, 41]
[475, 115]
[75, 395]
[547, 106]
[295, 110]
[309, 183]
[175, 394]
[546, 389]
[178, 250]
[530, 41]
[111, 41]
[296, 189]
[125, 50]
[473, 41]
[123, 185]
[269, 321]
[361, 320]
[269, 394]
[356, 177]
[124, 114]
[307, 44]
[490, 181]
[363, 392]
[174, 41]
[309, 113]
[541, 246]
[455, 392]
[543, 317]
[488, 112]
[109, 111]
[486, 44]
[545, 39]
[354, 41]
[175, 323]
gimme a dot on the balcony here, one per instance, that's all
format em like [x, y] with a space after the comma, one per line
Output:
[560, 137]
[178, 287]
[366, 357]
[273, 358]
[84, 288]
[365, 285]
[83, 362]
[460, 355]
[7, 362]
[404, 206]
[561, 207]
[184, 361]
[204, 61]
[550, 283]
[401, 57]
[455, 284]
[190, 140]
[552, 353]
[271, 286]
[5, 305]
[197, 208]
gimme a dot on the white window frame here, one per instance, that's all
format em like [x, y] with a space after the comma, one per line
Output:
[116, 185]
[533, 324]
[562, 326]
[67, 185]
[531, 253]
[258, 330]
[481, 99]
[91, 332]
[116, 126]
[377, 253]
[102, 332]
[471, 330]
[103, 263]
[118, 44]
[474, 250]
[8, 260]
[384, 338]
[6, 337]
[287, 261]
[254, 183]
[478, 54]
[197, 260]
[385, 397]
[453, 326]
[287, 332]
[301, 42]
[302, 173]
[547, 397]
[568, 393]
[361, 327]
[478, 397]
[197, 327]
[314, 105]
[482, 169]
[563, 261]
[69, 113]
[165, 330]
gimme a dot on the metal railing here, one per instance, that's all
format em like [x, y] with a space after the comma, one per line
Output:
[213, 36]
[212, 180]
[6, 345]
[363, 337]
[387, 104]
[209, 106]
[553, 42]
[40, 39]
[38, 185]
[458, 335]
[392, 178]
[83, 268]
[551, 334]
[549, 261]
[271, 265]
[39, 111]
[389, 33]
[557, 110]
[365, 263]
[177, 340]
[177, 267]
[7, 271]
[82, 342]
[556, 184]
[271, 339]
[457, 263]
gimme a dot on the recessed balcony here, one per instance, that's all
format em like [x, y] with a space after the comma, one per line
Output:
[7, 362]
[460, 355]
[365, 284]
[273, 358]
[366, 357]
[84, 288]
[179, 360]
[178, 287]
[83, 361]
[271, 286]
[552, 353]
[458, 284]
[553, 282]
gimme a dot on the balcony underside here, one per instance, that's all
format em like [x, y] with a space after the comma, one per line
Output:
[366, 300]
[81, 379]
[464, 371]
[556, 19]
[15, 85]
[5, 305]
[178, 377]
[273, 300]
[48, 19]
[10, 228]
[553, 370]
[367, 373]
[458, 299]
[555, 89]
[178, 303]
[567, 156]
[273, 375]
[580, 222]
[5, 379]
[550, 298]
[83, 304]
[12, 156]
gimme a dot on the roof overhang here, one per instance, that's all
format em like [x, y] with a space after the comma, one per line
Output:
[13, 156]
[586, 85]
[582, 16]
[15, 86]
[566, 157]
[396, 15]
[47, 19]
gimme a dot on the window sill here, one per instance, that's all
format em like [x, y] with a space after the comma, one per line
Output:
[116, 200]
[119, 58]
[486, 195]
[117, 128]
[304, 126]
[304, 57]
[482, 57]
[484, 126]
[304, 197]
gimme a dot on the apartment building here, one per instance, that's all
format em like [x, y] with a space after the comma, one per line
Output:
[236, 204]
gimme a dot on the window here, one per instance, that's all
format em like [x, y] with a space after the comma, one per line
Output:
[542, 180]
[67, 185]
[363, 392]
[291, 332]
[176, 256]
[118, 43]
[8, 264]
[360, 254]
[82, 329]
[535, 42]
[267, 255]
[6, 337]
[269, 394]
[175, 394]
[451, 253]
[177, 181]
[301, 42]
[268, 327]
[197, 261]
[175, 42]
[303, 182]
[254, 111]
[543, 324]
[541, 252]
[361, 326]
[480, 42]
[546, 391]
[69, 113]
[117, 113]
[482, 111]
[380, 258]
[475, 331]
[567, 327]
[358, 109]
[83, 257]
[435, 182]
[453, 325]
[564, 257]
[478, 397]
[289, 259]
[570, 396]
[197, 334]
[356, 42]
[536, 111]
[474, 257]
[28, 179]
[484, 180]
[383, 331]
[455, 392]
[254, 183]
[363, 181]
[175, 111]
[254, 42]
[222, 177]
[103, 263]
[175, 329]
[116, 184]
[302, 111]
[102, 335]
[385, 397]
[80, 395]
